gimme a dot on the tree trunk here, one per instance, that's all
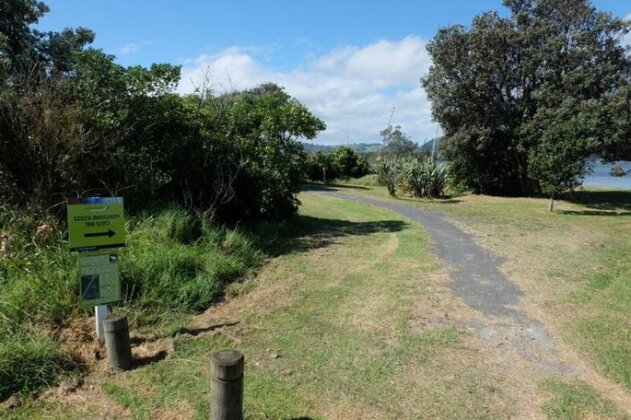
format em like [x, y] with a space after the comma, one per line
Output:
[551, 204]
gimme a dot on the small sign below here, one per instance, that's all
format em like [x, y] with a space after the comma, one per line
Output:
[96, 223]
[99, 278]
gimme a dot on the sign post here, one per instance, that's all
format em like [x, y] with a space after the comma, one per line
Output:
[96, 227]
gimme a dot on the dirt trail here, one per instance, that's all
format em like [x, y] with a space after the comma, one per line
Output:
[516, 339]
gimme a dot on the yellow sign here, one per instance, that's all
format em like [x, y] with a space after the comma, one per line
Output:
[96, 223]
[99, 278]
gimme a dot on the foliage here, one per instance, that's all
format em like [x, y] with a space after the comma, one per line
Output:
[342, 162]
[73, 122]
[503, 89]
[558, 161]
[29, 362]
[396, 144]
[387, 172]
[181, 262]
[422, 178]
[618, 171]
[175, 262]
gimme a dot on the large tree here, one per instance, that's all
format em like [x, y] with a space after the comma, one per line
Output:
[510, 91]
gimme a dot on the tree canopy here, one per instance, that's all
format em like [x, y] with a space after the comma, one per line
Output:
[523, 100]
[396, 143]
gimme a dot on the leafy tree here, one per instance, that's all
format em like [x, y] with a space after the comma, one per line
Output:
[495, 87]
[349, 163]
[321, 166]
[558, 161]
[396, 143]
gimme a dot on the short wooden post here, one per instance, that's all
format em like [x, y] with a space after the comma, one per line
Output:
[226, 385]
[117, 343]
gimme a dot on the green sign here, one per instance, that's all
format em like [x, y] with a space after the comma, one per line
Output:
[99, 278]
[96, 223]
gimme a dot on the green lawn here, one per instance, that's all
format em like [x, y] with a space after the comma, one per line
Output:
[574, 264]
[327, 329]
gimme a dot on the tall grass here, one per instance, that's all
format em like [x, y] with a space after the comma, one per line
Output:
[177, 261]
[174, 261]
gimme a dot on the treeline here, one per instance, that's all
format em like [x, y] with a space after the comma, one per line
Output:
[73, 122]
[342, 162]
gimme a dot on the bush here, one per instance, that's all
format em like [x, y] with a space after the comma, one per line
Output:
[387, 173]
[422, 178]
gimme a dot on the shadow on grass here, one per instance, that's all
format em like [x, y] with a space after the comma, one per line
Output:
[302, 233]
[147, 360]
[197, 331]
[594, 213]
[331, 187]
[602, 203]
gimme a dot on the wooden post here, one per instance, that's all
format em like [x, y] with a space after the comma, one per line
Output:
[117, 343]
[226, 385]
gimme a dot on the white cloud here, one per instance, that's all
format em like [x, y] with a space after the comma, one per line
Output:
[129, 48]
[355, 84]
[133, 47]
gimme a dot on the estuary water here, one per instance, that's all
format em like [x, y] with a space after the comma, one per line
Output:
[599, 176]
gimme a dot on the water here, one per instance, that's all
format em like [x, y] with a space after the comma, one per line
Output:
[599, 177]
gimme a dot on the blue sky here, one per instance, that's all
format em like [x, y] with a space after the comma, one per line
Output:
[350, 61]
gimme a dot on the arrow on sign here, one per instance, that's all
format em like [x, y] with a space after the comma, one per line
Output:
[109, 234]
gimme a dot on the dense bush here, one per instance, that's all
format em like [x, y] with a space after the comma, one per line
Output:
[423, 178]
[73, 122]
[418, 177]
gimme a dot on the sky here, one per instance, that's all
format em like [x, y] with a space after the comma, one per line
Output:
[350, 62]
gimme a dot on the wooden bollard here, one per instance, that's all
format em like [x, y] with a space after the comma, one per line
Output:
[117, 343]
[226, 385]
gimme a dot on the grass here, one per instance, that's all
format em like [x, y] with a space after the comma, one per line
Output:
[328, 324]
[576, 400]
[327, 331]
[574, 263]
[175, 264]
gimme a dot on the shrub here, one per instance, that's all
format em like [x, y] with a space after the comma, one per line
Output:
[422, 178]
[387, 173]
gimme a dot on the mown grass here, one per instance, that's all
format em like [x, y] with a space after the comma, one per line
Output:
[174, 263]
[325, 326]
[574, 263]
[576, 400]
[327, 331]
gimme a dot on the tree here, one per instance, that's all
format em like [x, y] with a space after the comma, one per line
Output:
[349, 163]
[397, 143]
[495, 88]
[558, 161]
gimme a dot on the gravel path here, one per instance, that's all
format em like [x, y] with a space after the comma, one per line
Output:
[475, 278]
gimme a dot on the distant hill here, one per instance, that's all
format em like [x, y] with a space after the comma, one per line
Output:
[427, 147]
[357, 147]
